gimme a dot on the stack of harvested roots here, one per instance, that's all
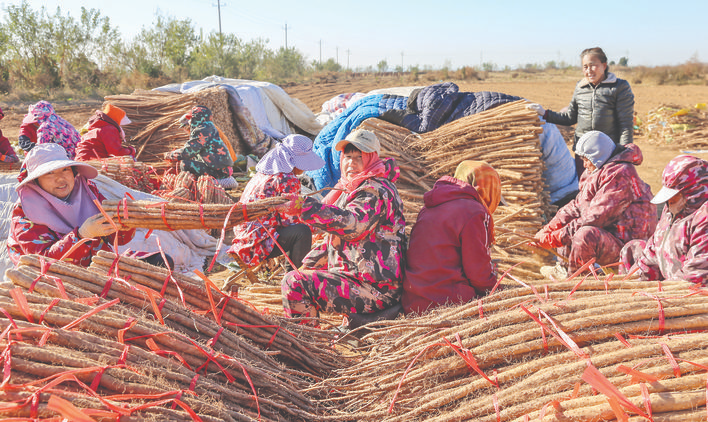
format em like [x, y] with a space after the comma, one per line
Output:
[112, 346]
[155, 114]
[186, 216]
[10, 167]
[539, 352]
[133, 174]
[675, 125]
[182, 187]
[506, 137]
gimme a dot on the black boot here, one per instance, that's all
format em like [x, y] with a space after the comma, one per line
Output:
[357, 320]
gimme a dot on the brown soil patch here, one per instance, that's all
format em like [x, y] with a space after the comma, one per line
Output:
[553, 93]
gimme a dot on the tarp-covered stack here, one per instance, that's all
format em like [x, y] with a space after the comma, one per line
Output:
[506, 137]
[598, 349]
[155, 115]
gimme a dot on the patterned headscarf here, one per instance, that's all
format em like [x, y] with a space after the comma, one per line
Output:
[373, 167]
[52, 128]
[688, 175]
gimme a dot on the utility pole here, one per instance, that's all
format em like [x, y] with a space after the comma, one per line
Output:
[401, 62]
[337, 54]
[320, 52]
[286, 35]
[218, 5]
[348, 53]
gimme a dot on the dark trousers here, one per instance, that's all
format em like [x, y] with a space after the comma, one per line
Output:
[296, 240]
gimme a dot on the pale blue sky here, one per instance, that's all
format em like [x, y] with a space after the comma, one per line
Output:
[436, 32]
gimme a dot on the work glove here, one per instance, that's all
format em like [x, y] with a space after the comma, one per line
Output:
[96, 226]
[292, 207]
[550, 240]
[537, 108]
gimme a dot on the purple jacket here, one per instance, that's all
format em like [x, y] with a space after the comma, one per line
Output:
[448, 258]
[613, 198]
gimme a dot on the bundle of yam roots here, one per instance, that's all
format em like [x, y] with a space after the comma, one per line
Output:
[136, 175]
[507, 138]
[578, 350]
[155, 114]
[126, 340]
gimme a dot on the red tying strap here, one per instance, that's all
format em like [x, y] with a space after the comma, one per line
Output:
[543, 336]
[208, 284]
[495, 401]
[105, 215]
[164, 219]
[151, 296]
[636, 375]
[7, 367]
[67, 410]
[223, 232]
[44, 338]
[201, 215]
[21, 302]
[44, 312]
[410, 365]
[245, 212]
[647, 400]
[672, 360]
[598, 381]
[90, 313]
[155, 349]
[581, 269]
[128, 325]
[279, 247]
[502, 277]
[466, 355]
[212, 341]
[481, 311]
[662, 318]
[622, 340]
[562, 337]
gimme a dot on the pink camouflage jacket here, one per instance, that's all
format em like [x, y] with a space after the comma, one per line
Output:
[613, 198]
[365, 233]
[678, 250]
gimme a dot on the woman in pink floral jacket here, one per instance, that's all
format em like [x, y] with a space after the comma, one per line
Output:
[358, 269]
[612, 208]
[678, 250]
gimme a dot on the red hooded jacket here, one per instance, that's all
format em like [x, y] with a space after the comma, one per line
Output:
[448, 258]
[104, 139]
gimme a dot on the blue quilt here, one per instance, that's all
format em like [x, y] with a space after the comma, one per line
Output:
[339, 128]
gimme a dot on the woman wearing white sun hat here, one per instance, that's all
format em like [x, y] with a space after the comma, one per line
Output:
[56, 209]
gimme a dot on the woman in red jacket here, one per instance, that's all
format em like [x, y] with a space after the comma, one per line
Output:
[104, 135]
[448, 258]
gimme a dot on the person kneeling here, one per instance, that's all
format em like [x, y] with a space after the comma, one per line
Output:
[358, 267]
[612, 207]
[449, 259]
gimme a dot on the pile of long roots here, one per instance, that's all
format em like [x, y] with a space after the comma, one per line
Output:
[507, 138]
[578, 350]
[127, 340]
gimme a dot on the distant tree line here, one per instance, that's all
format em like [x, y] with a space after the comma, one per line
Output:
[87, 55]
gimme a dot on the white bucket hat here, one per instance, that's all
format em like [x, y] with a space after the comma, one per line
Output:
[364, 140]
[295, 151]
[45, 158]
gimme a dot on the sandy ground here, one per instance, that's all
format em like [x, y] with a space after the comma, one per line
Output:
[552, 93]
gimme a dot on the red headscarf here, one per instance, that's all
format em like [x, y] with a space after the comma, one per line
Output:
[373, 167]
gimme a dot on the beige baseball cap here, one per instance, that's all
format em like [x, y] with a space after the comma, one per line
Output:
[364, 140]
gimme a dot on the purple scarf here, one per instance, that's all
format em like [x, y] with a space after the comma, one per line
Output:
[41, 207]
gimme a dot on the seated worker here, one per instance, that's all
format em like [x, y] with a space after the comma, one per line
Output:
[276, 175]
[42, 125]
[678, 250]
[358, 269]
[612, 207]
[7, 153]
[205, 152]
[55, 209]
[449, 259]
[104, 136]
